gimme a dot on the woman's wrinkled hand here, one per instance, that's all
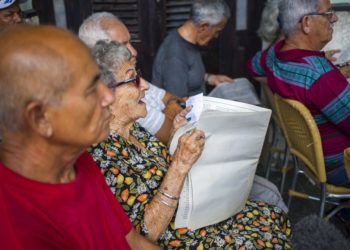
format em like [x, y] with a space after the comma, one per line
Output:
[180, 119]
[329, 54]
[189, 148]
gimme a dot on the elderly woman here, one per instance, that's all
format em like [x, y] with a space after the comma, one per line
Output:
[147, 180]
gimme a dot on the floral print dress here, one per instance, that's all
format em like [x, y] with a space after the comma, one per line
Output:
[134, 176]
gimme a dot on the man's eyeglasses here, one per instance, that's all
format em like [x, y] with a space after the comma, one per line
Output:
[328, 14]
[136, 80]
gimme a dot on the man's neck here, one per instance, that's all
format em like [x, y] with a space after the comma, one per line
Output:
[301, 42]
[188, 31]
[37, 160]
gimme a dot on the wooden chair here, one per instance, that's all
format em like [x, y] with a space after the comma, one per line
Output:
[304, 142]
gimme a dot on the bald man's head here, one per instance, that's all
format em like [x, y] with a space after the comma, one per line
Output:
[105, 26]
[37, 63]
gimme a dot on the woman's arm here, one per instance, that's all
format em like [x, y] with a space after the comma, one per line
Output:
[162, 207]
[138, 242]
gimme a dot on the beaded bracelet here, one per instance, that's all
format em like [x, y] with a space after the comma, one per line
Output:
[168, 195]
[165, 202]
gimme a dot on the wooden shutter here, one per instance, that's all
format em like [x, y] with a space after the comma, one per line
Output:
[126, 10]
[176, 13]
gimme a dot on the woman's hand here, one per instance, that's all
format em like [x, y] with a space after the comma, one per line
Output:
[329, 54]
[178, 122]
[180, 119]
[189, 148]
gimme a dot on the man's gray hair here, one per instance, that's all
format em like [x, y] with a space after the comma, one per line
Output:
[94, 29]
[269, 28]
[109, 57]
[211, 12]
[291, 12]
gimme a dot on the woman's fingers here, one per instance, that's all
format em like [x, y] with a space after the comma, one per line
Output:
[180, 118]
[195, 139]
[189, 149]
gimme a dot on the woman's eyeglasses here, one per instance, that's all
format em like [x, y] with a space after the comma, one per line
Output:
[136, 80]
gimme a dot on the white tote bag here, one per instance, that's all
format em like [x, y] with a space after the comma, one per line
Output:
[219, 183]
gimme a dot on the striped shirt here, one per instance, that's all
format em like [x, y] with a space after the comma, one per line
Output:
[308, 77]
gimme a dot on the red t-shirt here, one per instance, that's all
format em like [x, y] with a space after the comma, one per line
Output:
[83, 214]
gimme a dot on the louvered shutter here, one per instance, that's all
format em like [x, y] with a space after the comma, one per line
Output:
[176, 13]
[126, 10]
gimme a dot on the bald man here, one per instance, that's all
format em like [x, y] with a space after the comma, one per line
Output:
[52, 107]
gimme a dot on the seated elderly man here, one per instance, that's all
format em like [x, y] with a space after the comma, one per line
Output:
[270, 32]
[52, 107]
[296, 69]
[178, 66]
[10, 13]
[161, 105]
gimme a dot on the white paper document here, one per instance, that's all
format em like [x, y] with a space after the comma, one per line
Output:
[197, 107]
[219, 183]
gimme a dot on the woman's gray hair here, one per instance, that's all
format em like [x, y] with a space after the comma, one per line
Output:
[269, 28]
[291, 11]
[209, 11]
[93, 29]
[110, 56]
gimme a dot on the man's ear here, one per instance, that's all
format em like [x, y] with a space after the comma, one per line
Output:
[36, 118]
[305, 24]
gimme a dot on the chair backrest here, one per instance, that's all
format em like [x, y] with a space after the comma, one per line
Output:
[270, 100]
[347, 161]
[302, 135]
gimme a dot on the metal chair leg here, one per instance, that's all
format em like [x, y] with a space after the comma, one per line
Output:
[322, 199]
[284, 167]
[273, 142]
[333, 212]
[295, 179]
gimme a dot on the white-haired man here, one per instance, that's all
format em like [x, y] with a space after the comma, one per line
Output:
[161, 105]
[296, 69]
[178, 66]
